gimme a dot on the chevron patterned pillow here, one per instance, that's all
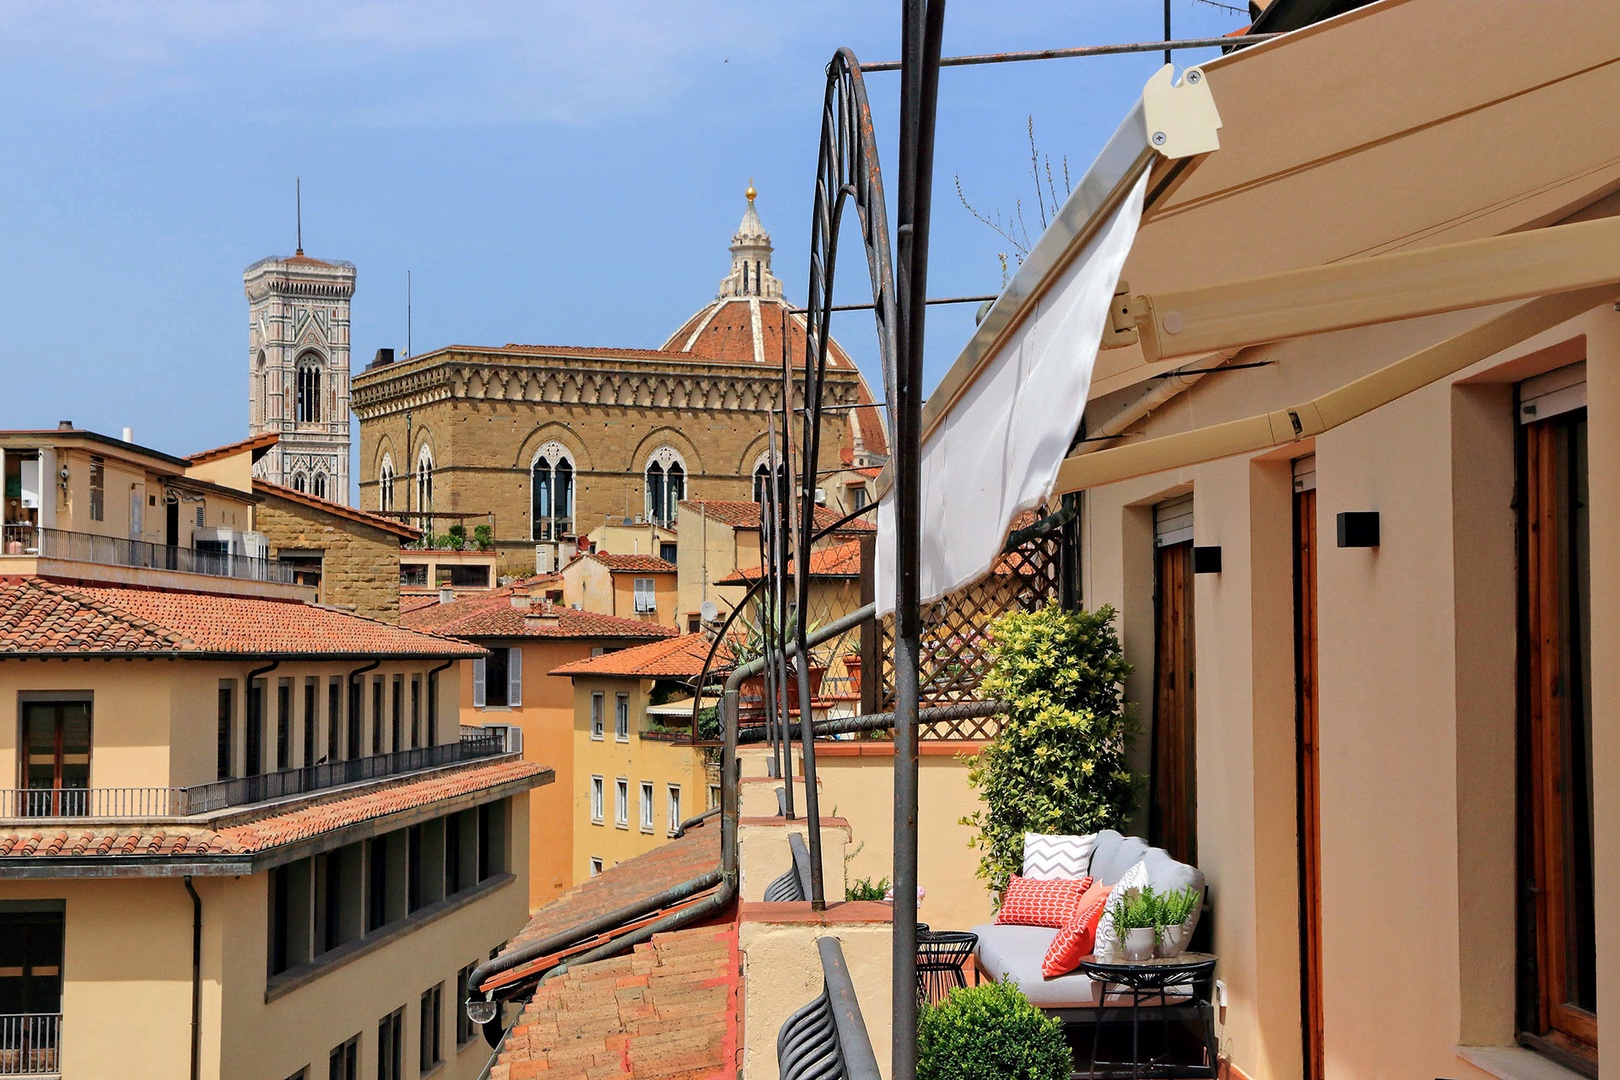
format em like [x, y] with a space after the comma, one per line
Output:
[1048, 857]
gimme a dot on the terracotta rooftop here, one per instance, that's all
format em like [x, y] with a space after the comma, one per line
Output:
[839, 561]
[255, 444]
[674, 658]
[262, 834]
[315, 502]
[49, 618]
[647, 874]
[492, 615]
[626, 564]
[741, 514]
[668, 1010]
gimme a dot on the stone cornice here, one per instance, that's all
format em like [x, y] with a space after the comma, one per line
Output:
[613, 380]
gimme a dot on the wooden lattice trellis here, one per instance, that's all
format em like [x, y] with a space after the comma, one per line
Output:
[955, 641]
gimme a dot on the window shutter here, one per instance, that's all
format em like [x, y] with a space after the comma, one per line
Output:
[514, 676]
[478, 683]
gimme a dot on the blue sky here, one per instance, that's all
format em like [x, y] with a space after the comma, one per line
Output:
[549, 172]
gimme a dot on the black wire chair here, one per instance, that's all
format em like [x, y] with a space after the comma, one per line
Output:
[941, 956]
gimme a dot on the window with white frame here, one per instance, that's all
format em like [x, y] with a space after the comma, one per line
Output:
[714, 796]
[666, 484]
[673, 808]
[596, 800]
[621, 717]
[596, 717]
[646, 806]
[551, 492]
[621, 803]
[646, 596]
[596, 865]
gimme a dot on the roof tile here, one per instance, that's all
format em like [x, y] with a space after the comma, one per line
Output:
[841, 560]
[741, 514]
[491, 615]
[676, 657]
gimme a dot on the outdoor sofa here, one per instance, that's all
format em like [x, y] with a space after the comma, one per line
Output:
[1014, 953]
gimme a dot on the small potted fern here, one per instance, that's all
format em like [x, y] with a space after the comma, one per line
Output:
[1175, 908]
[1137, 922]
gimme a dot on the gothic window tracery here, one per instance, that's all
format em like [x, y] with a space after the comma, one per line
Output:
[385, 484]
[762, 480]
[424, 487]
[309, 389]
[666, 484]
[299, 483]
[551, 492]
[320, 485]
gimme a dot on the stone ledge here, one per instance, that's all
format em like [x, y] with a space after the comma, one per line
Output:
[839, 913]
[1515, 1063]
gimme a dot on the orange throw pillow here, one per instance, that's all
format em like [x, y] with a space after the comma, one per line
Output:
[1076, 939]
[1028, 902]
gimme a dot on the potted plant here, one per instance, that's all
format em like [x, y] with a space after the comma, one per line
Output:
[1137, 921]
[990, 1032]
[1175, 908]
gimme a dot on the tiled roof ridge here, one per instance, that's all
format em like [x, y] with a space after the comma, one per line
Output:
[627, 662]
[252, 442]
[364, 517]
[638, 561]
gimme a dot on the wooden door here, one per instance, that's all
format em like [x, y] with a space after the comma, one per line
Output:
[1307, 776]
[1557, 732]
[1173, 814]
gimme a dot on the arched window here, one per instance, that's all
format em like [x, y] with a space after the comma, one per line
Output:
[261, 390]
[385, 484]
[320, 485]
[666, 484]
[424, 486]
[299, 483]
[551, 493]
[309, 389]
[762, 479]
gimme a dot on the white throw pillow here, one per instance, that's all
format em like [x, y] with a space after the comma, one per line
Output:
[1108, 949]
[1051, 858]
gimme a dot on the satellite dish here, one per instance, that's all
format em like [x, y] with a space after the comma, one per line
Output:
[709, 612]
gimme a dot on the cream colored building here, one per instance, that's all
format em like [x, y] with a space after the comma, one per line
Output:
[244, 835]
[627, 586]
[637, 775]
[1362, 535]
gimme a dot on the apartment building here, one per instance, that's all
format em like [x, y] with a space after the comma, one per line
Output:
[526, 636]
[243, 835]
[628, 586]
[637, 772]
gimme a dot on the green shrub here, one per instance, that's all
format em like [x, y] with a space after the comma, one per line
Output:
[483, 537]
[866, 889]
[990, 1032]
[1058, 764]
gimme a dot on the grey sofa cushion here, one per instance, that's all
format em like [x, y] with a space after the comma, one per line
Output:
[1014, 954]
[1115, 854]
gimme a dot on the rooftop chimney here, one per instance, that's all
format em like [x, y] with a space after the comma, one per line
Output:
[383, 358]
[543, 615]
[520, 600]
[447, 595]
[64, 425]
[129, 434]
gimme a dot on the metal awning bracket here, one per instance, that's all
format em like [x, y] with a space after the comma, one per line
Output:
[1179, 115]
[1122, 320]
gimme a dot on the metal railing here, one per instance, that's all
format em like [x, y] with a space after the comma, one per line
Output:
[795, 884]
[36, 541]
[241, 790]
[29, 1044]
[827, 1039]
[116, 802]
[146, 803]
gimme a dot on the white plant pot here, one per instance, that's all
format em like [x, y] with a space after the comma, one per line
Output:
[1170, 942]
[1138, 943]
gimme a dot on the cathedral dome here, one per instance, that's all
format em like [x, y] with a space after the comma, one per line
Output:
[749, 320]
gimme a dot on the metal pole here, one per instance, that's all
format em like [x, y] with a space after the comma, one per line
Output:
[1167, 37]
[919, 87]
[1239, 42]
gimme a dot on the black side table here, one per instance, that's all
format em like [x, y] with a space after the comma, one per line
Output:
[1179, 984]
[941, 955]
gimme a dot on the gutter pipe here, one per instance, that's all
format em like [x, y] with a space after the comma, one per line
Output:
[196, 979]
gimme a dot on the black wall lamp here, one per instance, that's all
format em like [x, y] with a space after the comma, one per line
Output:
[1358, 529]
[1207, 560]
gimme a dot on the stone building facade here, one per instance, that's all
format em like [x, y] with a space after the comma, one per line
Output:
[556, 441]
[298, 371]
[350, 556]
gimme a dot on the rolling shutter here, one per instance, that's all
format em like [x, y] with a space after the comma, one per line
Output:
[1173, 521]
[1305, 473]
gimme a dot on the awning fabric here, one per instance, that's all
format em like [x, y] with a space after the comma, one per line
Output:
[997, 452]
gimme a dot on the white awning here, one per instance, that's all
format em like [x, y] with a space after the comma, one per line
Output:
[998, 427]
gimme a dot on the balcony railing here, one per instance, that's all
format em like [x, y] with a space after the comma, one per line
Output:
[35, 541]
[29, 1044]
[827, 1039]
[158, 802]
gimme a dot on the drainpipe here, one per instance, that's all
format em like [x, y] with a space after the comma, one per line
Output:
[196, 979]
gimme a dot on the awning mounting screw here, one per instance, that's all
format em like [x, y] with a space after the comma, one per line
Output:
[1194, 75]
[1158, 138]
